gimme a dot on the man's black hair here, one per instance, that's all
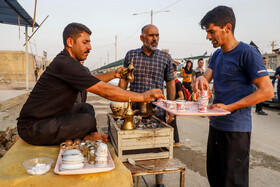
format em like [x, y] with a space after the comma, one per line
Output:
[199, 59]
[73, 30]
[219, 16]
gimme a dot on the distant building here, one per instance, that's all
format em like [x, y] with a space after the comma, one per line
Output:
[273, 60]
[13, 66]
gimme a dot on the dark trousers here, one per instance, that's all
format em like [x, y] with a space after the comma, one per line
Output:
[259, 107]
[174, 125]
[176, 134]
[188, 86]
[228, 158]
[54, 130]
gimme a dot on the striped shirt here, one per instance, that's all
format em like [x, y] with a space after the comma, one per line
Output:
[197, 72]
[150, 71]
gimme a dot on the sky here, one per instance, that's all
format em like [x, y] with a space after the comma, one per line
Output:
[179, 29]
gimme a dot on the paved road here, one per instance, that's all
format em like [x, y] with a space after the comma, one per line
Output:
[193, 131]
[265, 148]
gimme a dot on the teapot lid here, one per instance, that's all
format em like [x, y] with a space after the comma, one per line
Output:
[129, 111]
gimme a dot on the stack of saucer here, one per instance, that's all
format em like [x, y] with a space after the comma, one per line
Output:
[72, 159]
[101, 159]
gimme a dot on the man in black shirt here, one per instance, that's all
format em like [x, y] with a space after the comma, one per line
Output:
[82, 96]
[48, 116]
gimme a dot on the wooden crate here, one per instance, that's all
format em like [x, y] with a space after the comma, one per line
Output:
[141, 144]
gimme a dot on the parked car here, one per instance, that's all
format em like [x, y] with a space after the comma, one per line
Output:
[274, 100]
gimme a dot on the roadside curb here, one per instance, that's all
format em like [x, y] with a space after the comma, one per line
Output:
[13, 101]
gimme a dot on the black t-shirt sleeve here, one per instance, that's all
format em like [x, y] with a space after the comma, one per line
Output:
[77, 75]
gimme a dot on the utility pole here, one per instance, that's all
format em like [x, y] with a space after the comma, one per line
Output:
[116, 38]
[152, 14]
[273, 44]
[26, 58]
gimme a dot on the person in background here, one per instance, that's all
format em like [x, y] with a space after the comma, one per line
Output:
[47, 117]
[179, 95]
[277, 76]
[235, 68]
[187, 73]
[36, 74]
[259, 106]
[152, 68]
[198, 71]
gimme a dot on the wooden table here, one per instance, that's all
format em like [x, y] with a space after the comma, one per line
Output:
[12, 173]
[158, 166]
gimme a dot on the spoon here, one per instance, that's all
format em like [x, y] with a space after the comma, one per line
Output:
[132, 162]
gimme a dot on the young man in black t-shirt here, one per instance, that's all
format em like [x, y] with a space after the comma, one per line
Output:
[49, 116]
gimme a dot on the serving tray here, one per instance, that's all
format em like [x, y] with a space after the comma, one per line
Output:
[88, 168]
[191, 110]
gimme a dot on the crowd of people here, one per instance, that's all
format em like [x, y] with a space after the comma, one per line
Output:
[56, 109]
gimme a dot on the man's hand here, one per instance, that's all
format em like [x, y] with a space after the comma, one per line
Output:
[200, 83]
[96, 136]
[118, 72]
[153, 94]
[221, 106]
[169, 117]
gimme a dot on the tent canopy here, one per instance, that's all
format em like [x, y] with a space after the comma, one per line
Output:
[11, 12]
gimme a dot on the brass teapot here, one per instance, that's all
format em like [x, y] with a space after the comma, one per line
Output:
[128, 72]
[145, 108]
[128, 118]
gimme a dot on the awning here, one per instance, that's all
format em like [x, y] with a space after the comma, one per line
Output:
[196, 57]
[276, 51]
[11, 12]
[111, 65]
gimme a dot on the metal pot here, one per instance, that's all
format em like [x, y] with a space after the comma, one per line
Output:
[118, 108]
[145, 108]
